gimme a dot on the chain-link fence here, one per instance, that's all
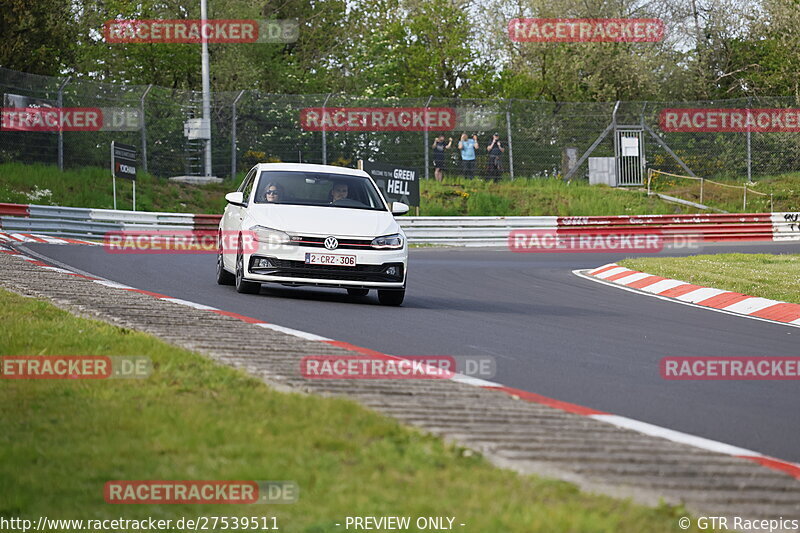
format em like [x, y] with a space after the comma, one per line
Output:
[248, 127]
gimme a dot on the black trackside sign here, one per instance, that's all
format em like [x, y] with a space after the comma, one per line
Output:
[398, 184]
[123, 161]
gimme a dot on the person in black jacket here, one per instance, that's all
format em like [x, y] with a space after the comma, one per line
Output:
[495, 150]
[439, 165]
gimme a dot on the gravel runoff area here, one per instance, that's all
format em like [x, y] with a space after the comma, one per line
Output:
[526, 437]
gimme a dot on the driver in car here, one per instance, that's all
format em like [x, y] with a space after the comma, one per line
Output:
[338, 192]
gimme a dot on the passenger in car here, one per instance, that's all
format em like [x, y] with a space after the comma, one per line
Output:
[273, 192]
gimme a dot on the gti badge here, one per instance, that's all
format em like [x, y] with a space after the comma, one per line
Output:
[331, 243]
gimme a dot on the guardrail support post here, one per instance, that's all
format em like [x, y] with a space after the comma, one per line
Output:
[60, 131]
[233, 135]
[144, 127]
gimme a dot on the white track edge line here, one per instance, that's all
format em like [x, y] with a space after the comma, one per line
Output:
[187, 303]
[675, 436]
[296, 332]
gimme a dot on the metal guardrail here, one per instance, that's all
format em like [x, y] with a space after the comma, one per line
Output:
[463, 231]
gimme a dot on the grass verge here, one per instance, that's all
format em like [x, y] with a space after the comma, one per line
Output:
[785, 190]
[535, 197]
[764, 275]
[60, 441]
[455, 196]
[91, 187]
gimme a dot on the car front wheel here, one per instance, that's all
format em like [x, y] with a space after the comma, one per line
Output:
[387, 297]
[245, 287]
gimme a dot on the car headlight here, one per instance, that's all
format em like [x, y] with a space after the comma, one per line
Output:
[269, 235]
[388, 242]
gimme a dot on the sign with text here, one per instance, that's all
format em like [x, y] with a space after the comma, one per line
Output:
[123, 161]
[398, 184]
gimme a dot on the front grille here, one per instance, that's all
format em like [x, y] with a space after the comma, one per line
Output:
[347, 244]
[299, 269]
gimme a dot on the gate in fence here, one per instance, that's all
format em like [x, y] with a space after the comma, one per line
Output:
[629, 153]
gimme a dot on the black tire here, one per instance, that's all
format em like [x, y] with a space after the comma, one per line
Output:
[387, 297]
[223, 276]
[357, 292]
[243, 286]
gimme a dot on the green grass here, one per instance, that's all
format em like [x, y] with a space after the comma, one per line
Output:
[536, 196]
[785, 190]
[91, 187]
[60, 441]
[765, 275]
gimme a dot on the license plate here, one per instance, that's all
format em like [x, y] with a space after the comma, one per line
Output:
[330, 259]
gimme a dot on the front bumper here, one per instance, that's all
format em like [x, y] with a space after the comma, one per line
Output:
[374, 269]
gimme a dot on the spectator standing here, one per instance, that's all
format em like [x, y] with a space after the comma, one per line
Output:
[439, 165]
[495, 150]
[468, 147]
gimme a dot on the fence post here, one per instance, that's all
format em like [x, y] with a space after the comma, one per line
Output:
[744, 207]
[702, 183]
[749, 158]
[324, 136]
[233, 134]
[427, 139]
[144, 127]
[510, 144]
[61, 131]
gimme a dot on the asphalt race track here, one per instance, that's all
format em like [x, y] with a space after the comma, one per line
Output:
[550, 331]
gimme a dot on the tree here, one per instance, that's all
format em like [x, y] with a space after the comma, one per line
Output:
[38, 36]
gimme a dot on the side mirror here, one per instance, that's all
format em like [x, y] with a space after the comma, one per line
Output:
[399, 208]
[235, 198]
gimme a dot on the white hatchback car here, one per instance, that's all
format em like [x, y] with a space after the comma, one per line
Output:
[300, 224]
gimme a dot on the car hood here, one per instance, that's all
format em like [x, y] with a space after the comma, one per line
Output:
[314, 220]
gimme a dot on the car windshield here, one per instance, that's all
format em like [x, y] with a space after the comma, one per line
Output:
[319, 189]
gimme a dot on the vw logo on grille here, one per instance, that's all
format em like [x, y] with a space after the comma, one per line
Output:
[331, 243]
